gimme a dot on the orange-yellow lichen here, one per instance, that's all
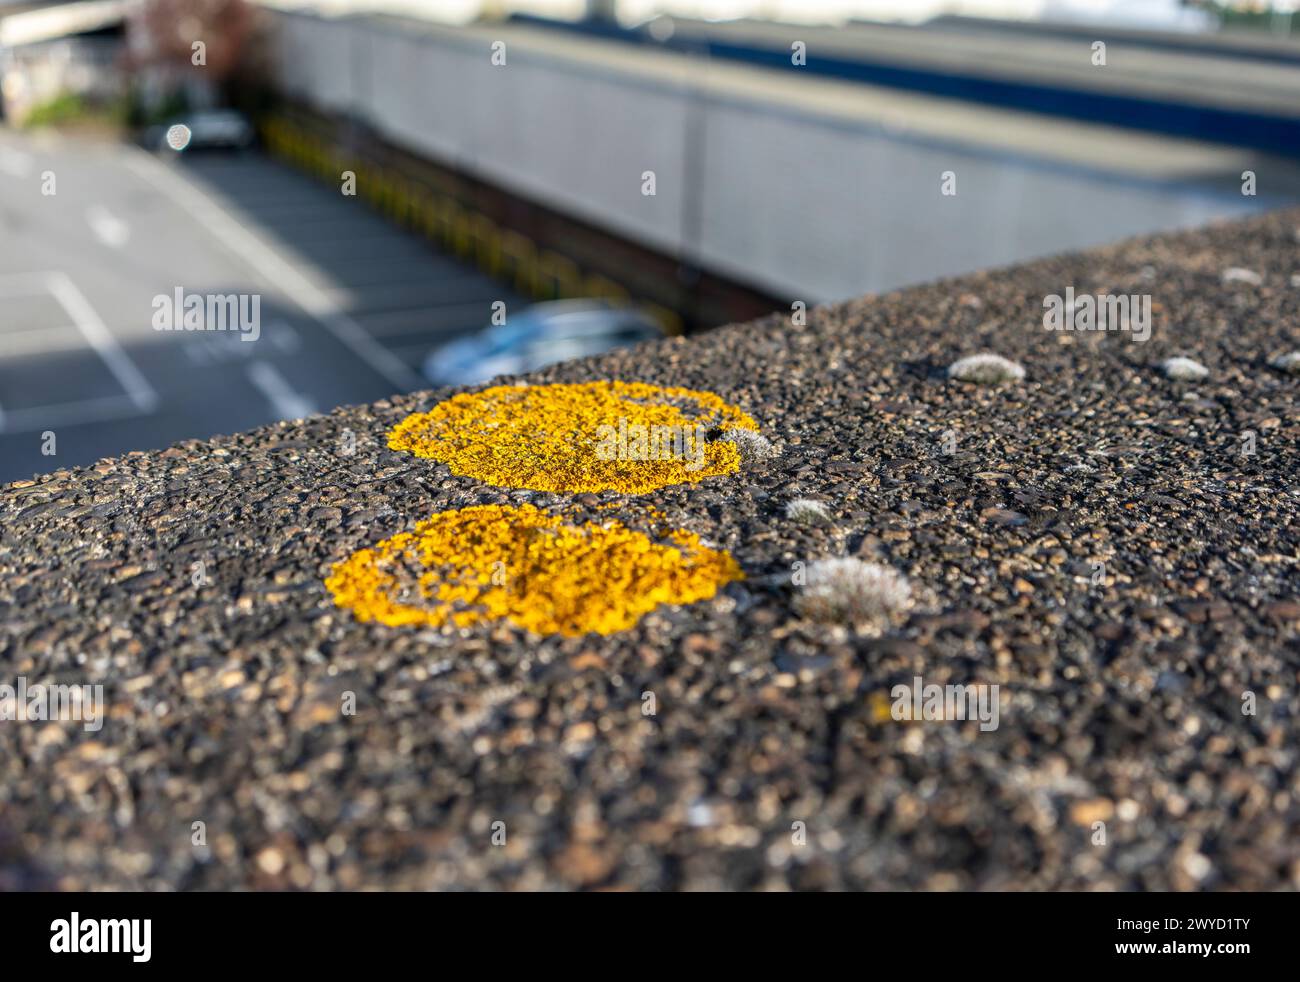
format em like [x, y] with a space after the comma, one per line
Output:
[529, 567]
[630, 437]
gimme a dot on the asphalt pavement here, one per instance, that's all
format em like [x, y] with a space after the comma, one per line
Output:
[92, 233]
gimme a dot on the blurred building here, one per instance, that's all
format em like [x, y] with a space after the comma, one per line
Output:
[156, 51]
[718, 158]
[1159, 14]
[48, 50]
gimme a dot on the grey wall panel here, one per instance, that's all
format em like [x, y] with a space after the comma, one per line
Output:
[799, 203]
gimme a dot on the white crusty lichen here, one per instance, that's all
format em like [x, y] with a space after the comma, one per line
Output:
[1289, 362]
[1235, 274]
[850, 591]
[806, 511]
[986, 369]
[753, 446]
[1183, 369]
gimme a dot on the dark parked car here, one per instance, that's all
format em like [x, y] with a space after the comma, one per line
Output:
[205, 129]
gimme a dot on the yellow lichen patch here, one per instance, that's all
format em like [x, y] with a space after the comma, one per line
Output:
[529, 567]
[630, 437]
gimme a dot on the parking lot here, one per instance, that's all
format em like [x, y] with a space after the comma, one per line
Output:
[91, 234]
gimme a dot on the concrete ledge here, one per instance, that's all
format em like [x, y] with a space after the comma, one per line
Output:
[773, 757]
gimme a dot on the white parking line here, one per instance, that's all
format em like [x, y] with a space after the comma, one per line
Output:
[68, 414]
[284, 400]
[250, 247]
[140, 398]
[101, 339]
[48, 339]
[108, 228]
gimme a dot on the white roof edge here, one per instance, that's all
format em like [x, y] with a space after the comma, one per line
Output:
[48, 23]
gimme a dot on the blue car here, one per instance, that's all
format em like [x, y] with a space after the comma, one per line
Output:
[542, 335]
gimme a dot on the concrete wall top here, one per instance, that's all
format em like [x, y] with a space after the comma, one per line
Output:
[1094, 541]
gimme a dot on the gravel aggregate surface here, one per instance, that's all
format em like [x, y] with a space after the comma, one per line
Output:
[1093, 539]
